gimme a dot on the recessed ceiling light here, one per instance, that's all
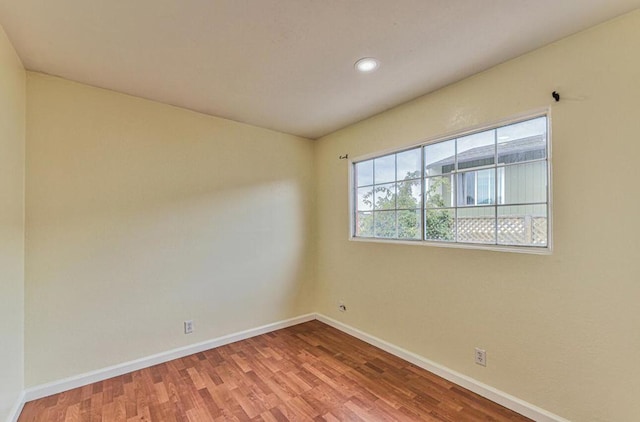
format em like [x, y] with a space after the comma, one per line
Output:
[367, 64]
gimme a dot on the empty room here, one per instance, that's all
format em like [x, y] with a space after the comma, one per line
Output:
[292, 210]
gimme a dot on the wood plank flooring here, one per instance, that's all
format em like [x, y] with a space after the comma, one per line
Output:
[309, 372]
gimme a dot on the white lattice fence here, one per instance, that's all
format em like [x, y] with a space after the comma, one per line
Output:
[539, 230]
[476, 229]
[512, 230]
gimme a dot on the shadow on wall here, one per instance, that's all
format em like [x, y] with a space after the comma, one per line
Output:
[141, 216]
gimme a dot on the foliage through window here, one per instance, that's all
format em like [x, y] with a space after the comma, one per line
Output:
[490, 187]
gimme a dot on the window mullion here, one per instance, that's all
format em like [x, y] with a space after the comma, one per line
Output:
[395, 159]
[423, 190]
[373, 198]
[495, 187]
[456, 181]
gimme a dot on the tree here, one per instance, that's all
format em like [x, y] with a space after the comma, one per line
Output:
[397, 210]
[440, 222]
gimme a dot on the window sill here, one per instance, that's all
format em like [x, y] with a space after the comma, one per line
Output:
[532, 250]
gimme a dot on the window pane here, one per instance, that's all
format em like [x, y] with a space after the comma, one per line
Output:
[440, 224]
[476, 187]
[468, 187]
[364, 173]
[476, 225]
[364, 224]
[440, 157]
[385, 169]
[409, 196]
[522, 183]
[385, 196]
[523, 141]
[486, 187]
[384, 224]
[409, 164]
[476, 150]
[409, 224]
[440, 192]
[523, 225]
[365, 199]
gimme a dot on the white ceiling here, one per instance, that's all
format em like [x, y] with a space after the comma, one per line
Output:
[286, 64]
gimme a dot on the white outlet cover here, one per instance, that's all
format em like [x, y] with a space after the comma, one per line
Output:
[481, 356]
[188, 327]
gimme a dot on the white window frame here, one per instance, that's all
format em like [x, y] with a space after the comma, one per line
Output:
[538, 250]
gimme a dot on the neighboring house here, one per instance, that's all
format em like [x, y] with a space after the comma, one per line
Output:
[517, 186]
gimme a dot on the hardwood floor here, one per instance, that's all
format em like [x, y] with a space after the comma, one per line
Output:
[309, 372]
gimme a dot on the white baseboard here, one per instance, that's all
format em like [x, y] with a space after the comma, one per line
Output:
[510, 402]
[484, 390]
[76, 381]
[15, 411]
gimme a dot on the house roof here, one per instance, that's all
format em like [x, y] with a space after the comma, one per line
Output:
[519, 146]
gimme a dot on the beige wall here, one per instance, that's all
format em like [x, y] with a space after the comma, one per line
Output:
[561, 331]
[141, 215]
[12, 127]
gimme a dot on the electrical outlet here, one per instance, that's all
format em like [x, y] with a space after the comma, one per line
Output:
[342, 307]
[481, 356]
[188, 327]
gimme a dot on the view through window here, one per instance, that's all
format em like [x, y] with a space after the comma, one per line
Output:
[490, 187]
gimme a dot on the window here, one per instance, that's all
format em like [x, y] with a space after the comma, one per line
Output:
[389, 196]
[489, 187]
